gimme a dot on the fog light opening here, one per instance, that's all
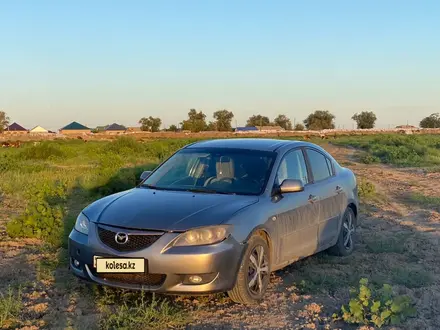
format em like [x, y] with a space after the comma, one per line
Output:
[195, 279]
[76, 263]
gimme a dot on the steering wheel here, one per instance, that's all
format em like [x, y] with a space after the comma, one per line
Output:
[221, 180]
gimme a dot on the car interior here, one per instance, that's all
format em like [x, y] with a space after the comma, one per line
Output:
[229, 173]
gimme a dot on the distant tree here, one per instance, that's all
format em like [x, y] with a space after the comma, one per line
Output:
[173, 128]
[223, 120]
[365, 119]
[196, 121]
[4, 121]
[283, 122]
[299, 127]
[432, 121]
[212, 126]
[258, 120]
[150, 124]
[320, 119]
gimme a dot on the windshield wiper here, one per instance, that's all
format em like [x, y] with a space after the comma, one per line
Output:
[150, 186]
[199, 190]
[209, 191]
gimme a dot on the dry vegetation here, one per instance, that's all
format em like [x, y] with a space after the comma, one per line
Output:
[44, 186]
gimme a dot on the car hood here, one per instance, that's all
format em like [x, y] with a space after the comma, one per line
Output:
[142, 208]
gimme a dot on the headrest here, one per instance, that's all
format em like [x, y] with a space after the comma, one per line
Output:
[225, 167]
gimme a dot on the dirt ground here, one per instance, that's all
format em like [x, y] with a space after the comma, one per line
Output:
[397, 243]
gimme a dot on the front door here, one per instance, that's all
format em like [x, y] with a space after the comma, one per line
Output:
[297, 218]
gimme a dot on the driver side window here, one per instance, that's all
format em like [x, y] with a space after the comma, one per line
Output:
[293, 166]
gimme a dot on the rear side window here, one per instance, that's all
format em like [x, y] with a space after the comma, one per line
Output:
[330, 166]
[319, 165]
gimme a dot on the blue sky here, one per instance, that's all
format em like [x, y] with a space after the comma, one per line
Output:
[99, 62]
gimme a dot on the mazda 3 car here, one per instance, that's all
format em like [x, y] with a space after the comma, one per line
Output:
[218, 216]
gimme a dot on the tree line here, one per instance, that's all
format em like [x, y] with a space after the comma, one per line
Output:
[222, 121]
[318, 120]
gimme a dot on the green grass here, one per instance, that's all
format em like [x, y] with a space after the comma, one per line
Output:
[423, 200]
[122, 309]
[387, 244]
[400, 150]
[412, 277]
[10, 307]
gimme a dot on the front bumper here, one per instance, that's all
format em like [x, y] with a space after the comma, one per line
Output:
[167, 269]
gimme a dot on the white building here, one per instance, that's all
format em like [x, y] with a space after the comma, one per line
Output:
[38, 129]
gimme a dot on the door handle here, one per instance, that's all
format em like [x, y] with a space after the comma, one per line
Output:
[339, 189]
[313, 198]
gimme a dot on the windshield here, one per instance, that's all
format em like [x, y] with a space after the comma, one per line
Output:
[223, 171]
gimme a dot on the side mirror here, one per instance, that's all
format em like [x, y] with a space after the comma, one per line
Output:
[291, 186]
[145, 175]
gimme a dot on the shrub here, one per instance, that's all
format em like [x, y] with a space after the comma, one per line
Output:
[366, 189]
[43, 151]
[43, 215]
[402, 150]
[8, 162]
[380, 307]
[123, 145]
[367, 158]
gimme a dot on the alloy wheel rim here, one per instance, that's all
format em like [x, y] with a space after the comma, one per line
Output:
[258, 270]
[348, 232]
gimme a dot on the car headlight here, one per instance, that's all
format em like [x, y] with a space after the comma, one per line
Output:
[82, 224]
[203, 236]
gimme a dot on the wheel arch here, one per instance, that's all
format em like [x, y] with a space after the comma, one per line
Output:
[355, 210]
[264, 233]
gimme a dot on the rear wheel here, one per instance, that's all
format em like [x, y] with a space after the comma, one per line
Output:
[345, 244]
[254, 273]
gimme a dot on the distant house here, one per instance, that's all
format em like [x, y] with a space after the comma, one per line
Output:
[406, 127]
[15, 128]
[38, 130]
[270, 128]
[134, 129]
[246, 129]
[75, 128]
[99, 129]
[115, 129]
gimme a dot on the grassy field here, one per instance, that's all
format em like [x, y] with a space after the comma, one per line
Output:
[44, 186]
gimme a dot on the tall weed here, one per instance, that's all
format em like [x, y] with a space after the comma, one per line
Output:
[43, 215]
[43, 151]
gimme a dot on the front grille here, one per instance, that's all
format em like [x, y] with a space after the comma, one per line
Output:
[138, 278]
[135, 241]
[141, 278]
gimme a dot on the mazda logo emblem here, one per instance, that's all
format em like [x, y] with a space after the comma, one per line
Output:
[121, 238]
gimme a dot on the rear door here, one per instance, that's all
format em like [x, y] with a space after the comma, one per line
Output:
[298, 214]
[326, 184]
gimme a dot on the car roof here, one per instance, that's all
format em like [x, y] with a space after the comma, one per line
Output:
[247, 143]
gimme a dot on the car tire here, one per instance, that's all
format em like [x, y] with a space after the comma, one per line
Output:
[254, 273]
[345, 244]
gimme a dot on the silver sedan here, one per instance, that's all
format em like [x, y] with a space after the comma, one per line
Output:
[218, 216]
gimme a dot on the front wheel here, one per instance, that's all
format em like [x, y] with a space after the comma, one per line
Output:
[345, 244]
[254, 273]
